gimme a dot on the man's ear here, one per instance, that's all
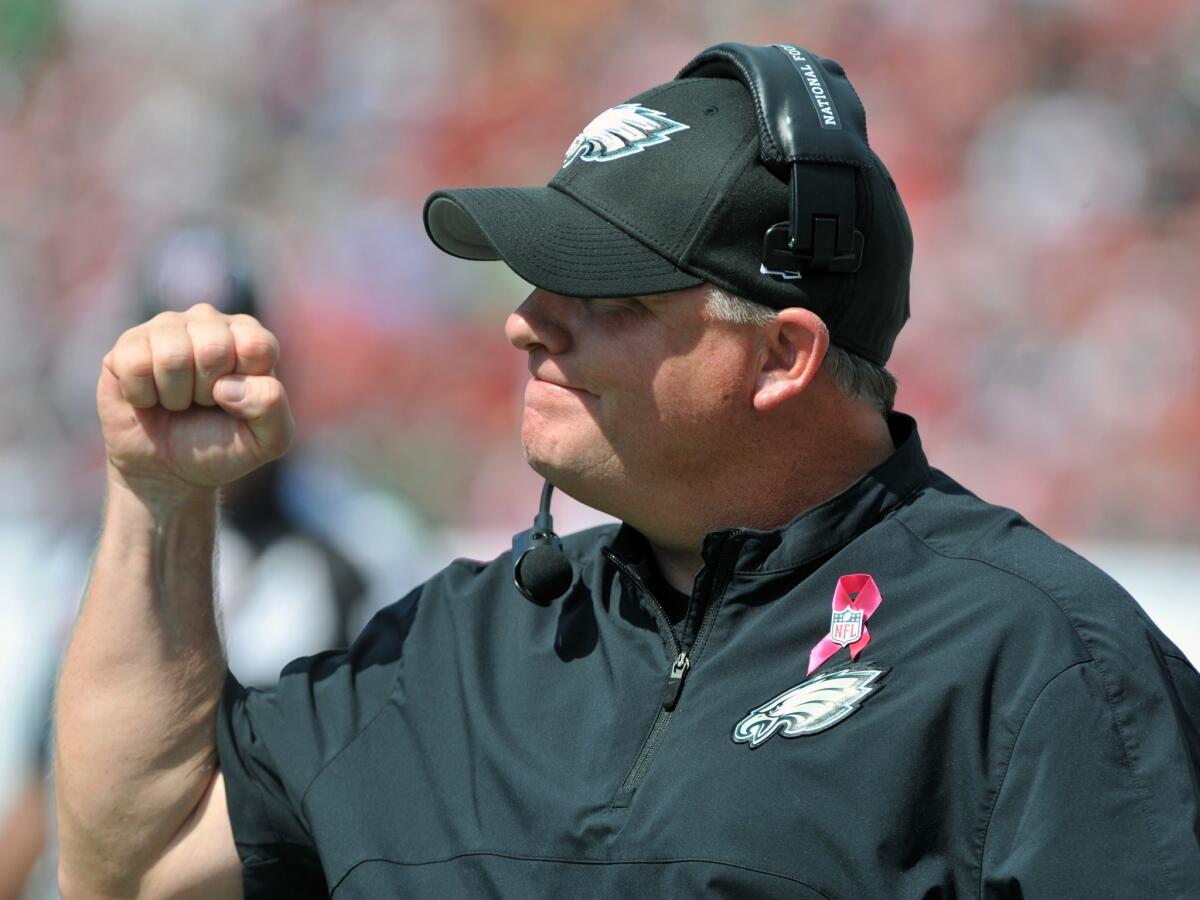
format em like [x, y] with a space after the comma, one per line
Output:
[793, 350]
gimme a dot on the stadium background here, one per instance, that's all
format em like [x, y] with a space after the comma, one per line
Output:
[1047, 151]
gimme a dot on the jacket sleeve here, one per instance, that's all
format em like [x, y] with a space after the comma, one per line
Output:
[273, 744]
[1101, 796]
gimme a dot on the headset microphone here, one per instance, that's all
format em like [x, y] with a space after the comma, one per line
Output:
[541, 570]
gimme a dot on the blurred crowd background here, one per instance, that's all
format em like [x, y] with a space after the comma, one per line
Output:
[1047, 151]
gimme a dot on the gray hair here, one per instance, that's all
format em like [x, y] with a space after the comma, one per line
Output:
[857, 378]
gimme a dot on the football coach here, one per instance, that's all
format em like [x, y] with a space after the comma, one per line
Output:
[806, 664]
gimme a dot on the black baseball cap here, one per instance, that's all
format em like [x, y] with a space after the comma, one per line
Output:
[675, 188]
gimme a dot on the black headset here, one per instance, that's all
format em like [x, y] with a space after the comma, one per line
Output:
[808, 114]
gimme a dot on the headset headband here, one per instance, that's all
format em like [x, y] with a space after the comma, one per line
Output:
[813, 132]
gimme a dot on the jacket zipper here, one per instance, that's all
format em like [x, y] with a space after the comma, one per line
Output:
[680, 666]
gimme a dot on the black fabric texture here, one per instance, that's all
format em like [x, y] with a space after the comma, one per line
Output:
[1033, 733]
[694, 206]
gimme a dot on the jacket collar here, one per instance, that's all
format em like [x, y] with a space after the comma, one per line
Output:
[822, 529]
[819, 530]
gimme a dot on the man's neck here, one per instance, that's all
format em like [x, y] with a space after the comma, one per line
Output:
[678, 567]
[767, 506]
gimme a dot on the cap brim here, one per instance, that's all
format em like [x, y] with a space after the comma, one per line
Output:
[551, 240]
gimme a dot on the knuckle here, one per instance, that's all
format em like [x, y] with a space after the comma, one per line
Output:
[173, 359]
[260, 347]
[130, 346]
[166, 318]
[213, 356]
[136, 366]
[130, 336]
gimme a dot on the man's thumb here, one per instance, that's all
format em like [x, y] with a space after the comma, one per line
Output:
[230, 391]
[261, 402]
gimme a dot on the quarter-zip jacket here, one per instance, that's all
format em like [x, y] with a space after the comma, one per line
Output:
[1028, 732]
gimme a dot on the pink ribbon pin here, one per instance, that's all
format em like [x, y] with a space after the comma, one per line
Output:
[855, 600]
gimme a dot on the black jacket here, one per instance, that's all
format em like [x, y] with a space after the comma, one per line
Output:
[1015, 726]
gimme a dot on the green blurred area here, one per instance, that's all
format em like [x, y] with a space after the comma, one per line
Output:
[28, 29]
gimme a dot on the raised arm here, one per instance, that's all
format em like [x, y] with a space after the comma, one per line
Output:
[188, 402]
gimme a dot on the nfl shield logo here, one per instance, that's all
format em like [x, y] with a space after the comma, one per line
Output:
[846, 626]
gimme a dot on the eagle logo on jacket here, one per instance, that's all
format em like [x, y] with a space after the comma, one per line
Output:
[620, 131]
[810, 707]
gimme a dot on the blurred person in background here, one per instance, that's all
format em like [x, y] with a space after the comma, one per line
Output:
[44, 555]
[43, 564]
[24, 768]
[286, 589]
[22, 833]
[1011, 725]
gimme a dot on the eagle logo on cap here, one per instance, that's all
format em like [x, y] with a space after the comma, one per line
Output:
[620, 131]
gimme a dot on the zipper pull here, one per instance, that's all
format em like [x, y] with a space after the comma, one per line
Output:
[679, 670]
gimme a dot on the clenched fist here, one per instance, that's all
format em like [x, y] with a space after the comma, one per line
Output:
[189, 401]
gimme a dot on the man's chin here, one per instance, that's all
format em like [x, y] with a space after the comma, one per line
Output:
[549, 450]
[588, 485]
[563, 477]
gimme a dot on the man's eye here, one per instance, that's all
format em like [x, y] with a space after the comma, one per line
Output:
[618, 304]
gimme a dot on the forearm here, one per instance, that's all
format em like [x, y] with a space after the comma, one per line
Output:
[141, 681]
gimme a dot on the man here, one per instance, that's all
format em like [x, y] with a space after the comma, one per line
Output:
[806, 665]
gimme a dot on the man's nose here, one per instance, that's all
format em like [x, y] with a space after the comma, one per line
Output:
[541, 321]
